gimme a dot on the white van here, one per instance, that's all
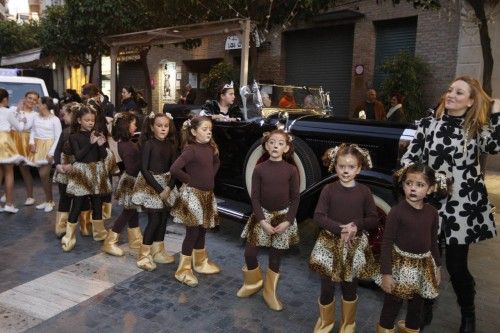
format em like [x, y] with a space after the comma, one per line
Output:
[17, 86]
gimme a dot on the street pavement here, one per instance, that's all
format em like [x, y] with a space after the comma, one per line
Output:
[43, 289]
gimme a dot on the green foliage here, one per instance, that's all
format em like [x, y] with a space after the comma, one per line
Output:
[407, 75]
[75, 30]
[219, 74]
[264, 13]
[424, 4]
[15, 37]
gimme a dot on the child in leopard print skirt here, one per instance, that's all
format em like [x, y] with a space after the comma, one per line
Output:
[275, 199]
[345, 210]
[124, 127]
[196, 207]
[154, 189]
[410, 259]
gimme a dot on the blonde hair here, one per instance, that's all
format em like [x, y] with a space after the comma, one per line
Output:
[478, 114]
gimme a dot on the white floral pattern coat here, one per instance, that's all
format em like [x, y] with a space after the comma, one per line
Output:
[466, 214]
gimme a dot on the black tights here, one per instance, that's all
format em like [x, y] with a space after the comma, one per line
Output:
[157, 225]
[392, 305]
[79, 204]
[195, 239]
[251, 252]
[460, 276]
[64, 199]
[128, 216]
[328, 290]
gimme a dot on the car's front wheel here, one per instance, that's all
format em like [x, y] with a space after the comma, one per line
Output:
[303, 157]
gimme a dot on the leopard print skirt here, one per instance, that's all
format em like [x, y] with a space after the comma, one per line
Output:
[62, 178]
[88, 179]
[413, 274]
[145, 196]
[124, 191]
[332, 257]
[195, 207]
[255, 234]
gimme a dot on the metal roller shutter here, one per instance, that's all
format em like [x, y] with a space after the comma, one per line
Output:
[322, 57]
[392, 37]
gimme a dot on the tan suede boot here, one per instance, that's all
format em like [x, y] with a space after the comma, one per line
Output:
[252, 282]
[270, 291]
[61, 220]
[69, 240]
[202, 265]
[109, 246]
[326, 319]
[184, 273]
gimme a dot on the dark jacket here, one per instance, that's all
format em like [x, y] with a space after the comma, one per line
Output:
[128, 104]
[212, 107]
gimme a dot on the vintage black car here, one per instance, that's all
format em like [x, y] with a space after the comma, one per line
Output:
[315, 129]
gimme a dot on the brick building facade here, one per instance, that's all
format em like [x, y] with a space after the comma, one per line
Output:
[436, 40]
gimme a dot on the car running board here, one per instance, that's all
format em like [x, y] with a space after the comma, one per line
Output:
[233, 209]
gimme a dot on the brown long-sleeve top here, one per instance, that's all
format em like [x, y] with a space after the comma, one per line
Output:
[157, 158]
[339, 205]
[412, 230]
[197, 166]
[131, 157]
[275, 186]
[83, 150]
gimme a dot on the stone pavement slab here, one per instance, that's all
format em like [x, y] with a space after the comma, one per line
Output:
[138, 301]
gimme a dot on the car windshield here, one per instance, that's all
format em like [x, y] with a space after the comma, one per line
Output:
[261, 96]
[17, 90]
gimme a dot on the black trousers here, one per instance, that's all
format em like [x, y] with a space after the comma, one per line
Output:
[461, 279]
[251, 252]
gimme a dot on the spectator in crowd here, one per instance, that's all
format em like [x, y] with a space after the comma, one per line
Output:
[372, 108]
[129, 99]
[396, 113]
[189, 97]
[287, 100]
[223, 108]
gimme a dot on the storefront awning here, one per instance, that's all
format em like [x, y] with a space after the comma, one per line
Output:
[179, 34]
[22, 57]
[175, 34]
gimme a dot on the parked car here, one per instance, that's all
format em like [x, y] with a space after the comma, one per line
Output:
[17, 86]
[315, 129]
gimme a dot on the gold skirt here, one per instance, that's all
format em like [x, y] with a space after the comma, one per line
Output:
[42, 148]
[195, 208]
[256, 235]
[413, 273]
[145, 195]
[88, 179]
[332, 257]
[22, 141]
[8, 150]
[62, 178]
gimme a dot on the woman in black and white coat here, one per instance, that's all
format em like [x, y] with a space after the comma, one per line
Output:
[465, 124]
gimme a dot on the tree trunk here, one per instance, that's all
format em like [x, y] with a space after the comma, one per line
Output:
[144, 62]
[484, 37]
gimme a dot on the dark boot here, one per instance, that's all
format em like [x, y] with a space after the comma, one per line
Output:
[468, 324]
[465, 292]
